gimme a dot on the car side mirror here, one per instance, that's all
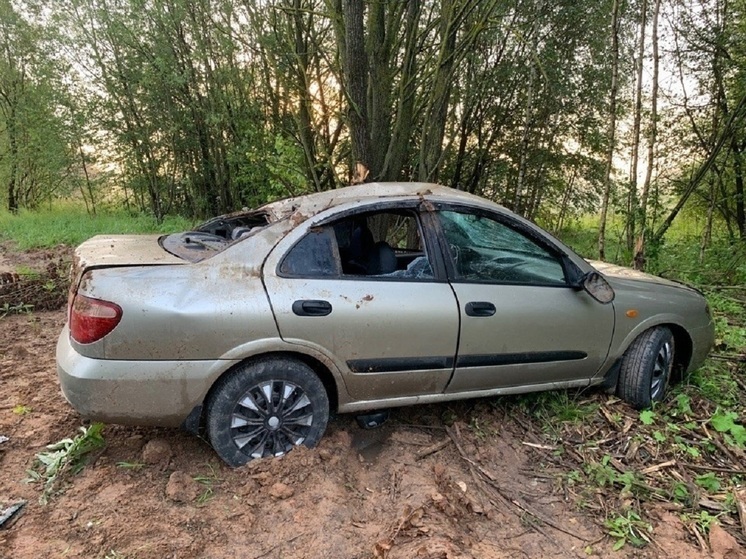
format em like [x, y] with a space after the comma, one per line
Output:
[596, 286]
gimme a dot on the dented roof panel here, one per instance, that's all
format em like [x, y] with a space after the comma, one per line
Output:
[312, 204]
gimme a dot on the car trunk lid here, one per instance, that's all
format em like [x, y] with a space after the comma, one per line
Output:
[107, 251]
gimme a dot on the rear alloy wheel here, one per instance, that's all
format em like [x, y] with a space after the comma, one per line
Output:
[266, 408]
[646, 368]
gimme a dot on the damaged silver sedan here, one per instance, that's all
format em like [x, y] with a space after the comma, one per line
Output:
[256, 326]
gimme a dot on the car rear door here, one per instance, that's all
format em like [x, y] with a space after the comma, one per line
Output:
[521, 323]
[392, 332]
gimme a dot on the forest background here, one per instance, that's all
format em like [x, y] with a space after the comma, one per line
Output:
[616, 111]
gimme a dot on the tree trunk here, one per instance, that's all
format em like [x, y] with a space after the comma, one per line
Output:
[13, 154]
[379, 86]
[528, 115]
[396, 153]
[737, 151]
[356, 85]
[639, 258]
[635, 157]
[565, 202]
[305, 127]
[611, 133]
[433, 128]
[89, 186]
[707, 233]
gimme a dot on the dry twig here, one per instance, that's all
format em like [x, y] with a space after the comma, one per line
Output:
[432, 449]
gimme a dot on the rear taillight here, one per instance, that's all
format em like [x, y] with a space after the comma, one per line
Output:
[91, 319]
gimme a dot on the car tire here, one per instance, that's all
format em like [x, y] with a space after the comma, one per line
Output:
[646, 368]
[265, 408]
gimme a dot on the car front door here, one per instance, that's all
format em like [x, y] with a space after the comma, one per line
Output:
[521, 323]
[365, 290]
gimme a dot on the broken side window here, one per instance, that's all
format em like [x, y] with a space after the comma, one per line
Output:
[386, 244]
[314, 256]
[484, 249]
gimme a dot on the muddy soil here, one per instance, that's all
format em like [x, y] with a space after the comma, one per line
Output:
[436, 482]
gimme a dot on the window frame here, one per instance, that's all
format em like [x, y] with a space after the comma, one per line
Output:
[426, 222]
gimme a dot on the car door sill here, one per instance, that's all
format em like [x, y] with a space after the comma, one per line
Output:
[361, 405]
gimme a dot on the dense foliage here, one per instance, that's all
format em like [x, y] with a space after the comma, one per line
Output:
[197, 107]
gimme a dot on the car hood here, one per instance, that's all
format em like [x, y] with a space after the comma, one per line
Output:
[621, 272]
[106, 251]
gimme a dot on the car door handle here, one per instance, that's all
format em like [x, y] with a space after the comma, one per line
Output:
[312, 308]
[480, 308]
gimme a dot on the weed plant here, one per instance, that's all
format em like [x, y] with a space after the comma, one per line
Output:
[209, 482]
[67, 455]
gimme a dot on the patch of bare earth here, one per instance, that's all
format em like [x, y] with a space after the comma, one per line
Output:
[419, 487]
[33, 280]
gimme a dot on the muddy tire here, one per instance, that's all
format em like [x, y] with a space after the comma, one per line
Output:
[265, 408]
[646, 368]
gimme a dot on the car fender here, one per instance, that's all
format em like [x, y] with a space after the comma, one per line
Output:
[646, 324]
[256, 348]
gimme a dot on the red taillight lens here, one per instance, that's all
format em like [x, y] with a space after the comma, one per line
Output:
[91, 319]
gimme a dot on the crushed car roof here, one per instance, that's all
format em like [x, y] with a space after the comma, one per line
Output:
[311, 204]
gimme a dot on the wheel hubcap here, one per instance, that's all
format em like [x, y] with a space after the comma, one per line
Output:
[661, 370]
[271, 418]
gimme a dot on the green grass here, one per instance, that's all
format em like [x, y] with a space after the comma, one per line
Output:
[70, 224]
[557, 406]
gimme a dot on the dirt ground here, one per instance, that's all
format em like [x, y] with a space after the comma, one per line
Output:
[466, 480]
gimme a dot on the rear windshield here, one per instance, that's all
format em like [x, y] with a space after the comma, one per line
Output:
[213, 236]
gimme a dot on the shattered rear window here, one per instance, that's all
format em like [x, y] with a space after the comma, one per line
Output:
[213, 236]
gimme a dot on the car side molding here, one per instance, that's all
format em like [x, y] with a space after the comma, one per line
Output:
[400, 364]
